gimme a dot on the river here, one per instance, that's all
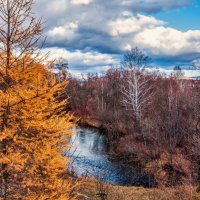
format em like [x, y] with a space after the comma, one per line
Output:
[90, 157]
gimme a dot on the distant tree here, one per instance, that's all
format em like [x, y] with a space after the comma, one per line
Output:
[34, 128]
[62, 67]
[135, 58]
[178, 73]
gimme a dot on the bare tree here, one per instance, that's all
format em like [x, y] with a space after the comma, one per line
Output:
[178, 72]
[20, 31]
[138, 89]
[135, 58]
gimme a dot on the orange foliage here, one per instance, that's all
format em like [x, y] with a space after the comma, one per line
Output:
[34, 132]
[34, 127]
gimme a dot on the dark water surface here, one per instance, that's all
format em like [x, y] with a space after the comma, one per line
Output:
[90, 157]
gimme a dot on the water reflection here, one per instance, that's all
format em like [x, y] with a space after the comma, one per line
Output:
[89, 157]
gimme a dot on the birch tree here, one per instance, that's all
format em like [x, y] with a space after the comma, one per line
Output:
[138, 89]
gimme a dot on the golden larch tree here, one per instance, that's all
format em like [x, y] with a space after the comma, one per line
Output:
[34, 126]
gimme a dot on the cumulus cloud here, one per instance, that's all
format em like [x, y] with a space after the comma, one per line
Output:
[113, 26]
[84, 61]
[63, 33]
[129, 24]
[91, 32]
[168, 41]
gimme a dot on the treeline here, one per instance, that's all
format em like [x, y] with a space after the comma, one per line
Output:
[149, 118]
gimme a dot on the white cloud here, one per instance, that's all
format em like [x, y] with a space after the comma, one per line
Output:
[80, 59]
[82, 63]
[65, 32]
[103, 28]
[132, 24]
[126, 31]
[168, 41]
[81, 2]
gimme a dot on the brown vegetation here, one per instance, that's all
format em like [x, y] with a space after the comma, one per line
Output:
[163, 134]
[90, 190]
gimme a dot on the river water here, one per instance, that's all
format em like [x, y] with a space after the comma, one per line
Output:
[90, 157]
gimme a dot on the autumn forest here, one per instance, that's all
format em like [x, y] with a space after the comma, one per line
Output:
[128, 133]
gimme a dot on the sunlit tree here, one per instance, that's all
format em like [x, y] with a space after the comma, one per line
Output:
[138, 89]
[34, 127]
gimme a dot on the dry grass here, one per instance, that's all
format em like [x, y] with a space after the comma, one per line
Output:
[89, 191]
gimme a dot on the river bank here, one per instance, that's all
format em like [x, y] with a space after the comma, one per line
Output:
[94, 190]
[116, 136]
[127, 150]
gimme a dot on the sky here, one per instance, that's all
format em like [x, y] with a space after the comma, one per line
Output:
[93, 35]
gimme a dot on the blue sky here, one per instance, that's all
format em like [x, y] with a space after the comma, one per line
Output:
[183, 18]
[94, 34]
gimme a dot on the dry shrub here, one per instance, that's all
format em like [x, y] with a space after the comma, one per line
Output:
[184, 192]
[171, 170]
[89, 190]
